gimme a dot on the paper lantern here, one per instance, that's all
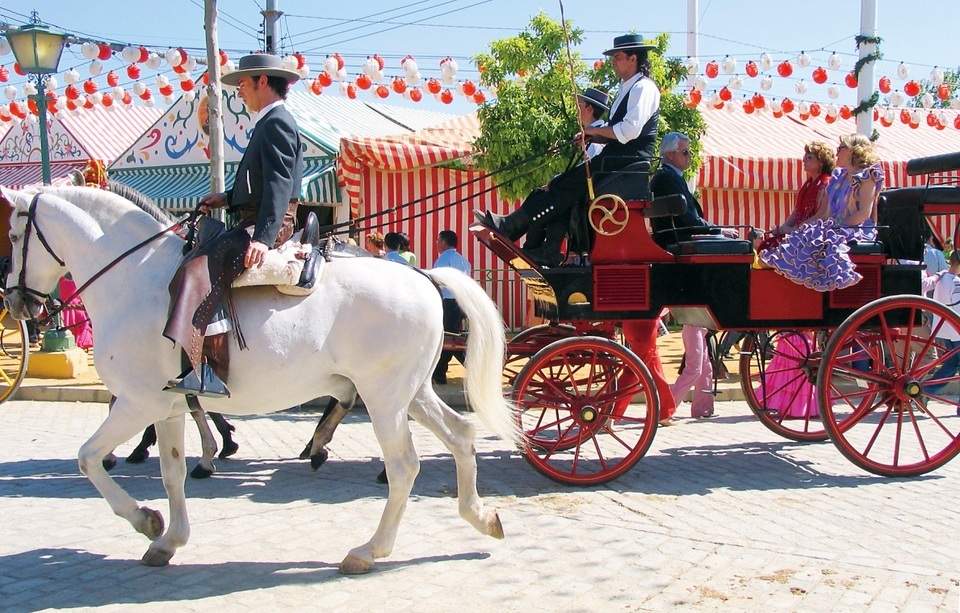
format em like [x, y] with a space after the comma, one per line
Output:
[153, 61]
[785, 69]
[751, 69]
[885, 122]
[846, 112]
[956, 122]
[926, 100]
[10, 92]
[133, 71]
[692, 65]
[469, 88]
[416, 94]
[90, 50]
[830, 118]
[833, 92]
[725, 94]
[736, 82]
[766, 82]
[4, 74]
[364, 81]
[759, 101]
[383, 91]
[903, 70]
[95, 68]
[803, 60]
[834, 61]
[324, 79]
[814, 109]
[765, 61]
[113, 79]
[787, 105]
[832, 110]
[931, 119]
[166, 91]
[90, 86]
[897, 98]
[316, 87]
[446, 96]
[943, 91]
[905, 116]
[50, 83]
[71, 76]
[712, 69]
[936, 76]
[127, 99]
[351, 91]
[479, 97]
[911, 88]
[699, 83]
[820, 75]
[695, 96]
[104, 52]
[851, 80]
[71, 92]
[187, 85]
[728, 65]
[433, 86]
[800, 87]
[748, 107]
[107, 100]
[884, 85]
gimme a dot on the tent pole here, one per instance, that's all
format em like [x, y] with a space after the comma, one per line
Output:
[693, 30]
[868, 27]
[214, 111]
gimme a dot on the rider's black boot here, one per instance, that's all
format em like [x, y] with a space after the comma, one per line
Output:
[537, 209]
[548, 253]
[311, 237]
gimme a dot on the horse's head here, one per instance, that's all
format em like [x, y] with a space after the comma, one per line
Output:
[35, 268]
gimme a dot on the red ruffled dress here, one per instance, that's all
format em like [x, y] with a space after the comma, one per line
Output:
[804, 207]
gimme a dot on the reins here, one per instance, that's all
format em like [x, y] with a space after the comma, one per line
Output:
[31, 216]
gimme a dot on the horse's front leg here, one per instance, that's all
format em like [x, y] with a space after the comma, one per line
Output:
[173, 469]
[121, 424]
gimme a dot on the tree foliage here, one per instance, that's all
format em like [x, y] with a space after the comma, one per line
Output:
[535, 109]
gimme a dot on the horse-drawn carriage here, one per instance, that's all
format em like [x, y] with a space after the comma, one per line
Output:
[588, 406]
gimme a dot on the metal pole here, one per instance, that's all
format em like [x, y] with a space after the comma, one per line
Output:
[214, 109]
[693, 30]
[271, 15]
[41, 101]
[868, 27]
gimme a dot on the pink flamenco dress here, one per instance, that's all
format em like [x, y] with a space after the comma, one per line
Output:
[785, 387]
[75, 317]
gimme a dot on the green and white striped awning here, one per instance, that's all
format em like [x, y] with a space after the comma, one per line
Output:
[180, 188]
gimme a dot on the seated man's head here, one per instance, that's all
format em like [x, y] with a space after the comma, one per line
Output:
[675, 150]
[391, 240]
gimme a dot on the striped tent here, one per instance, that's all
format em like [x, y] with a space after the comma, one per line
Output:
[752, 164]
[402, 183]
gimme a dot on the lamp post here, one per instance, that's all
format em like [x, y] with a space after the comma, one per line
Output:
[38, 50]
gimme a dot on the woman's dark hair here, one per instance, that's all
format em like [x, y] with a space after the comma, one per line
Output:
[404, 241]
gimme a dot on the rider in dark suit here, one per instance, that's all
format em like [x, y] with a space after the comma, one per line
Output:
[264, 198]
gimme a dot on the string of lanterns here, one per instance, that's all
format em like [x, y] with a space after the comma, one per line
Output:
[79, 93]
[765, 70]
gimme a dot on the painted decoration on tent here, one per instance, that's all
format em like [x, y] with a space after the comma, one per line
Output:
[21, 145]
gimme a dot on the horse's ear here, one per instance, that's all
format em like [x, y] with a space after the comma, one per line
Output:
[76, 178]
[6, 197]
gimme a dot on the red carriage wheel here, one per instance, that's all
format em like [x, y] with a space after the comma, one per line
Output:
[588, 409]
[527, 343]
[886, 401]
[776, 376]
[14, 352]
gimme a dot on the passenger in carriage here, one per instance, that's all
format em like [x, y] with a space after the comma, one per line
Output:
[374, 244]
[816, 255]
[669, 181]
[630, 135]
[264, 196]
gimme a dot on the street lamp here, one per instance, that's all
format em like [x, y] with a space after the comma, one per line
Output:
[38, 50]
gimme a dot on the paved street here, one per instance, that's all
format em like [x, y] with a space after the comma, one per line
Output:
[721, 514]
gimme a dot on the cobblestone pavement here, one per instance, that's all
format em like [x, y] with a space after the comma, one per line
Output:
[720, 514]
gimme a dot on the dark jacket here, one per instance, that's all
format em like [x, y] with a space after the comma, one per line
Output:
[668, 182]
[269, 175]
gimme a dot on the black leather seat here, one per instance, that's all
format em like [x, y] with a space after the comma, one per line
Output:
[632, 182]
[709, 244]
[865, 248]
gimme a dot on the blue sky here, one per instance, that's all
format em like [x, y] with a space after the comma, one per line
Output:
[921, 35]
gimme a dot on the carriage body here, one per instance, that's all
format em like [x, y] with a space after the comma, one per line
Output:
[711, 282]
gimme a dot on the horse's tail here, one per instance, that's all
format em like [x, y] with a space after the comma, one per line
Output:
[485, 353]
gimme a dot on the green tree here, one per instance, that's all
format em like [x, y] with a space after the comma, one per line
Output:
[950, 77]
[535, 110]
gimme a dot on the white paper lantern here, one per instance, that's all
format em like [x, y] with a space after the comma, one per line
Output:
[228, 67]
[736, 82]
[414, 79]
[728, 65]
[118, 92]
[4, 47]
[700, 83]
[31, 119]
[10, 92]
[148, 102]
[803, 108]
[96, 98]
[153, 61]
[173, 57]
[766, 82]
[71, 77]
[833, 92]
[716, 101]
[96, 68]
[343, 88]
[889, 115]
[832, 110]
[776, 106]
[800, 87]
[130, 55]
[90, 50]
[168, 100]
[903, 70]
[731, 106]
[330, 65]
[927, 100]
[189, 96]
[183, 76]
[190, 65]
[139, 88]
[448, 80]
[50, 83]
[406, 94]
[765, 61]
[370, 67]
[692, 65]
[342, 75]
[377, 75]
[290, 62]
[29, 88]
[803, 60]
[834, 61]
[162, 80]
[304, 72]
[955, 104]
[914, 116]
[897, 98]
[61, 103]
[936, 76]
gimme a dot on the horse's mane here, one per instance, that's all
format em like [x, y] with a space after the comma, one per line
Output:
[142, 201]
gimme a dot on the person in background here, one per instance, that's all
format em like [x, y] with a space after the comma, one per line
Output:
[374, 244]
[404, 250]
[641, 336]
[447, 242]
[392, 241]
[75, 316]
[697, 375]
[946, 290]
[933, 258]
[947, 249]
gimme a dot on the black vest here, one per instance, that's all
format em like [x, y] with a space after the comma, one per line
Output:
[640, 147]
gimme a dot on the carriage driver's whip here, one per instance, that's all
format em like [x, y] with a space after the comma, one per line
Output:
[573, 83]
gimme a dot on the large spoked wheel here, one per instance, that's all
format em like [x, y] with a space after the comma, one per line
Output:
[522, 346]
[588, 408]
[889, 389]
[777, 373]
[14, 353]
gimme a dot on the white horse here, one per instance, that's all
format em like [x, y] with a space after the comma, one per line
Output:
[299, 348]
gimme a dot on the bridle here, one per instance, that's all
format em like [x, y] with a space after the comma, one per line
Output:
[42, 298]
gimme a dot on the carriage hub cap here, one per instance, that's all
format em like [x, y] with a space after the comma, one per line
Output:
[589, 414]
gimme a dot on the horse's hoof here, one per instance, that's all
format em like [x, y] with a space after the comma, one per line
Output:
[109, 462]
[138, 456]
[199, 472]
[316, 461]
[156, 557]
[382, 477]
[352, 565]
[150, 524]
[229, 449]
[496, 528]
[306, 451]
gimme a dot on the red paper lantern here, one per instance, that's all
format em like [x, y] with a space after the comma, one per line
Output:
[301, 60]
[845, 112]
[434, 87]
[719, 105]
[399, 85]
[107, 100]
[820, 75]
[32, 105]
[804, 116]
[885, 85]
[830, 118]
[88, 104]
[469, 88]
[18, 70]
[785, 69]
[223, 58]
[146, 95]
[479, 97]
[905, 116]
[4, 74]
[205, 79]
[127, 98]
[759, 101]
[956, 122]
[748, 106]
[133, 71]
[931, 119]
[725, 94]
[52, 107]
[596, 66]
[446, 97]
[71, 105]
[364, 82]
[695, 96]
[16, 110]
[90, 86]
[914, 126]
[382, 91]
[416, 94]
[814, 109]
[351, 91]
[778, 114]
[325, 79]
[911, 88]
[787, 105]
[187, 85]
[316, 87]
[943, 91]
[71, 92]
[851, 80]
[712, 69]
[113, 79]
[166, 90]
[885, 122]
[379, 61]
[144, 55]
[940, 126]
[105, 52]
[751, 68]
[179, 69]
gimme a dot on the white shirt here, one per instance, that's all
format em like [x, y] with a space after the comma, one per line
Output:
[643, 97]
[265, 110]
[595, 148]
[946, 290]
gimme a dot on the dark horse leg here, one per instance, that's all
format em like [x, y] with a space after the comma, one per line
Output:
[141, 452]
[230, 447]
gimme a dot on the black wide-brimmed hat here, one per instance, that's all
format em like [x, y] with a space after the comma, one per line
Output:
[628, 42]
[595, 96]
[260, 64]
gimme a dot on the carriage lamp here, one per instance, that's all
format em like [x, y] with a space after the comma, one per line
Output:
[38, 50]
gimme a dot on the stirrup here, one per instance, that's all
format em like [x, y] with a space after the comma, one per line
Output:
[207, 383]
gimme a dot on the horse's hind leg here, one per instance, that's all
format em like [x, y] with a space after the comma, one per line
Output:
[226, 430]
[393, 433]
[458, 435]
[173, 469]
[315, 449]
[208, 444]
[141, 452]
[121, 425]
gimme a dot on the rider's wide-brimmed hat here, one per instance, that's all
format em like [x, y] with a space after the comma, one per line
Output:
[260, 64]
[628, 41]
[595, 96]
